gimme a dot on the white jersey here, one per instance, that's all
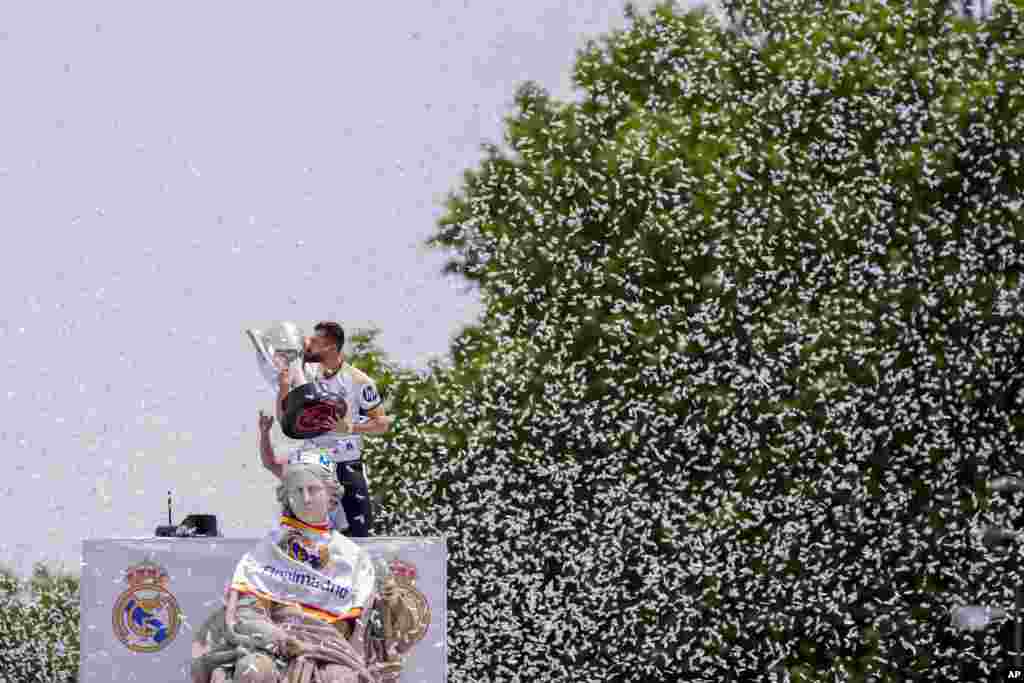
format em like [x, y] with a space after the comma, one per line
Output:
[361, 396]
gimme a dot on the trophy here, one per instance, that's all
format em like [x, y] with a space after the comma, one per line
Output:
[310, 405]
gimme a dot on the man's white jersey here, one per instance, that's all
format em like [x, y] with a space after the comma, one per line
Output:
[361, 396]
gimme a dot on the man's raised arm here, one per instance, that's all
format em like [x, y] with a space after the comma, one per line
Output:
[283, 387]
[266, 450]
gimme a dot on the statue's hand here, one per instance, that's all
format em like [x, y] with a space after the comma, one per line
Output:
[293, 647]
[254, 635]
[203, 666]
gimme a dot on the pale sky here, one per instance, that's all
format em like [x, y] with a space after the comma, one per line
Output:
[171, 173]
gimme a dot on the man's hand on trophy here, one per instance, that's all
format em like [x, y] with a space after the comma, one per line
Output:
[284, 383]
[341, 425]
[266, 423]
[281, 360]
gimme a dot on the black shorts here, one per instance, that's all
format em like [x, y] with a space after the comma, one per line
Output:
[355, 499]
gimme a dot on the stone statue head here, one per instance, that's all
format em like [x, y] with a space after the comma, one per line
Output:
[308, 492]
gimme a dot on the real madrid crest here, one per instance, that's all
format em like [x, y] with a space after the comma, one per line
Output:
[406, 613]
[146, 616]
[399, 621]
[298, 547]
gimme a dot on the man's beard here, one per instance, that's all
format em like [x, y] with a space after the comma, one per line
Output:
[312, 357]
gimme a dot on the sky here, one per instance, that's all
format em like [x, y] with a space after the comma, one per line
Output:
[171, 174]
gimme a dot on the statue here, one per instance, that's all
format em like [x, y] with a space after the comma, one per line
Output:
[308, 605]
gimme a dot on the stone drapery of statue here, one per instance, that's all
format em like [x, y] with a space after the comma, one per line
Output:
[308, 605]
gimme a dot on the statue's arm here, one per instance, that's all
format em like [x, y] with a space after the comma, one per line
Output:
[253, 630]
[209, 649]
[203, 666]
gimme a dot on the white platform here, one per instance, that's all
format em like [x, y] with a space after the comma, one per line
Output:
[198, 572]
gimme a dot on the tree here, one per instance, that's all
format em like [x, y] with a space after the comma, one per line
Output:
[39, 626]
[400, 466]
[750, 347]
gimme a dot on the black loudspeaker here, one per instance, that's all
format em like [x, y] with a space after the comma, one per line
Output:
[200, 525]
[308, 410]
[194, 526]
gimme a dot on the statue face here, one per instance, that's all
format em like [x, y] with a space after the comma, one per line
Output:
[307, 496]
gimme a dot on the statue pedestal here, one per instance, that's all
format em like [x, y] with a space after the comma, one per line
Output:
[143, 601]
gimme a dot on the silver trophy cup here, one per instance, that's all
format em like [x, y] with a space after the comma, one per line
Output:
[310, 406]
[280, 346]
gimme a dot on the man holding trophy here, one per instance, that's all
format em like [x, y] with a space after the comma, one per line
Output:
[327, 404]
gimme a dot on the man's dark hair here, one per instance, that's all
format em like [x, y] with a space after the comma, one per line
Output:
[332, 330]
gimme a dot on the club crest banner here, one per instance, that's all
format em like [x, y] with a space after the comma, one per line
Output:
[143, 602]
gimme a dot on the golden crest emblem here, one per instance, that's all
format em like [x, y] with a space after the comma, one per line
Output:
[146, 617]
[410, 623]
[400, 620]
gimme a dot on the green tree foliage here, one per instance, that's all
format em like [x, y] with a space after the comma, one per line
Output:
[39, 626]
[751, 346]
[400, 472]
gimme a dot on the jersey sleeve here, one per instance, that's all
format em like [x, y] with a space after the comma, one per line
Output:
[369, 398]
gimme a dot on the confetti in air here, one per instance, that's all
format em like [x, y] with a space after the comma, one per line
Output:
[750, 352]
